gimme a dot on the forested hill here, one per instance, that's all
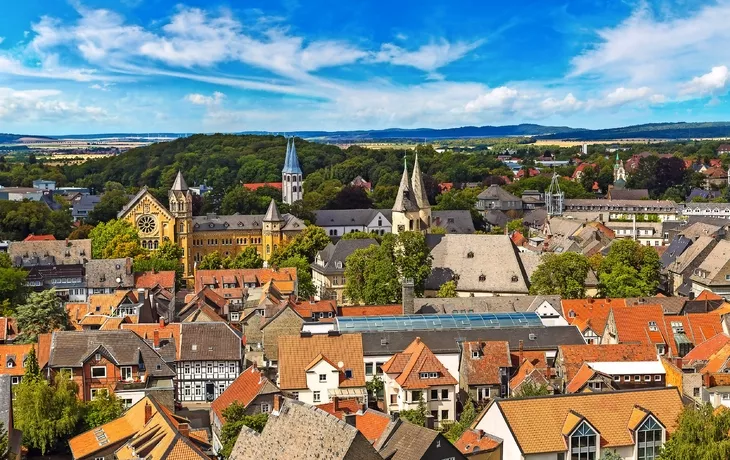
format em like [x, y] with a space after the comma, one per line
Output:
[651, 131]
[6, 138]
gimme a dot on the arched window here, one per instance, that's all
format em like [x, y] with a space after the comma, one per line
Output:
[157, 243]
[410, 224]
[649, 440]
[268, 249]
[583, 443]
[144, 244]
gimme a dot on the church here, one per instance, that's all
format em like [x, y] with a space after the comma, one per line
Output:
[202, 235]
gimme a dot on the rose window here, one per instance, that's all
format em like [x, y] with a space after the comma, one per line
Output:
[147, 224]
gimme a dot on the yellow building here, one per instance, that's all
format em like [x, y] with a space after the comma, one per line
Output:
[202, 235]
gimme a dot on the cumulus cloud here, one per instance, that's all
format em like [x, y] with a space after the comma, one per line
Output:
[200, 99]
[712, 83]
[568, 104]
[622, 96]
[43, 105]
[497, 98]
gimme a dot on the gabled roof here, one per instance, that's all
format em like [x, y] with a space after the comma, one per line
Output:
[297, 352]
[712, 270]
[704, 350]
[33, 237]
[610, 413]
[247, 386]
[484, 369]
[584, 374]
[403, 440]
[589, 313]
[135, 199]
[412, 362]
[475, 441]
[640, 324]
[717, 362]
[574, 356]
[14, 355]
[148, 280]
[528, 372]
[334, 255]
[209, 341]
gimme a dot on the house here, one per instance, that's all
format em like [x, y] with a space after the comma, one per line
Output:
[416, 376]
[371, 423]
[589, 315]
[498, 199]
[252, 390]
[21, 193]
[8, 330]
[240, 285]
[341, 221]
[679, 271]
[478, 445]
[622, 210]
[316, 311]
[285, 321]
[210, 304]
[65, 252]
[148, 429]
[703, 194]
[118, 362]
[484, 370]
[453, 221]
[715, 210]
[283, 437]
[150, 280]
[531, 371]
[209, 359]
[104, 276]
[715, 177]
[83, 206]
[618, 375]
[484, 265]
[316, 368]
[13, 360]
[723, 149]
[328, 269]
[633, 423]
[403, 440]
[580, 170]
[14, 436]
[713, 274]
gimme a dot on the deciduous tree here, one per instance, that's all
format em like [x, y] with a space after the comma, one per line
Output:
[115, 239]
[561, 274]
[236, 419]
[108, 207]
[447, 290]
[306, 244]
[702, 434]
[104, 408]
[43, 312]
[629, 270]
[12, 283]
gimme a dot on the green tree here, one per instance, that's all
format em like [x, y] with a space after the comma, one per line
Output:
[81, 232]
[610, 455]
[701, 434]
[47, 414]
[306, 244]
[248, 258]
[104, 408]
[12, 283]
[412, 257]
[416, 416]
[468, 415]
[561, 274]
[304, 275]
[447, 290]
[108, 207]
[115, 239]
[360, 236]
[211, 261]
[166, 258]
[375, 387]
[236, 419]
[629, 270]
[43, 312]
[32, 369]
[531, 389]
[517, 225]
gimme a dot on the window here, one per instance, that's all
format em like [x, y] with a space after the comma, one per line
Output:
[415, 396]
[187, 368]
[482, 393]
[394, 399]
[660, 349]
[235, 316]
[348, 373]
[127, 373]
[653, 326]
[322, 378]
[444, 394]
[68, 372]
[637, 378]
[434, 395]
[657, 378]
[98, 372]
[583, 443]
[369, 368]
[616, 378]
[475, 354]
[197, 368]
[627, 378]
[444, 415]
[649, 440]
[647, 378]
[316, 397]
[295, 395]
[97, 357]
[209, 368]
[265, 408]
[232, 368]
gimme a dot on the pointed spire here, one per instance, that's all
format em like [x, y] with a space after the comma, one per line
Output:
[403, 200]
[286, 158]
[419, 188]
[272, 214]
[291, 165]
[179, 185]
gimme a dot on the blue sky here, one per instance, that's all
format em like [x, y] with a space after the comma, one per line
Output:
[89, 66]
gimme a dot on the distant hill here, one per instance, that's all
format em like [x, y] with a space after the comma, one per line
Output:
[10, 138]
[651, 131]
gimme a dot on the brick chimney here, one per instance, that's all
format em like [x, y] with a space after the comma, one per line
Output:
[480, 434]
[156, 338]
[409, 294]
[521, 349]
[335, 403]
[147, 412]
[162, 321]
[184, 430]
[278, 402]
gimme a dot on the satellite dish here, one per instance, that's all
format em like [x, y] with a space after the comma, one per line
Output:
[340, 364]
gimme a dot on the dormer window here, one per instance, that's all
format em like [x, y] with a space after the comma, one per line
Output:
[649, 439]
[469, 255]
[514, 279]
[652, 326]
[338, 264]
[571, 314]
[482, 277]
[475, 354]
[583, 443]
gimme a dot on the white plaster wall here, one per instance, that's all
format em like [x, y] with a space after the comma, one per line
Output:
[494, 423]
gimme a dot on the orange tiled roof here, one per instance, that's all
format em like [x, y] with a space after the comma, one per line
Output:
[200, 435]
[33, 237]
[589, 313]
[257, 185]
[148, 280]
[473, 441]
[485, 369]
[634, 324]
[104, 304]
[584, 374]
[15, 352]
[305, 309]
[93, 320]
[414, 360]
[44, 349]
[370, 310]
[340, 407]
[717, 362]
[147, 331]
[609, 412]
[708, 295]
[574, 356]
[370, 423]
[259, 276]
[296, 352]
[113, 324]
[704, 350]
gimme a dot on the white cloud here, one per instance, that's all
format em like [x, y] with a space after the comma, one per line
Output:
[568, 104]
[43, 105]
[49, 68]
[712, 83]
[428, 58]
[200, 99]
[622, 96]
[497, 98]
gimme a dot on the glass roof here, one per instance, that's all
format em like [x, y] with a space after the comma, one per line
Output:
[436, 322]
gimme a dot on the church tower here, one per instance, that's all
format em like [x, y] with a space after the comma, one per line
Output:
[272, 230]
[419, 191]
[406, 213]
[619, 174]
[291, 175]
[181, 207]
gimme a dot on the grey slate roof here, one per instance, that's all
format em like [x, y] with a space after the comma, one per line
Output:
[213, 222]
[335, 253]
[272, 214]
[453, 221]
[402, 440]
[496, 217]
[678, 245]
[670, 305]
[545, 338]
[501, 304]
[496, 193]
[179, 185]
[104, 273]
[28, 253]
[629, 194]
[209, 341]
[84, 205]
[689, 256]
[123, 347]
[404, 200]
[299, 431]
[535, 218]
[469, 257]
[350, 217]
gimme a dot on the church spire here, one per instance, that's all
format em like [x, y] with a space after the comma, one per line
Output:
[404, 199]
[291, 164]
[272, 214]
[179, 185]
[419, 189]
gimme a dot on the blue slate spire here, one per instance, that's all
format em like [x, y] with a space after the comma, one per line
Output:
[291, 164]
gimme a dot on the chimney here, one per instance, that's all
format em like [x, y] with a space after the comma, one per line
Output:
[480, 434]
[140, 295]
[156, 338]
[706, 380]
[147, 412]
[350, 419]
[184, 430]
[335, 403]
[521, 348]
[418, 340]
[429, 421]
[278, 402]
[409, 294]
[162, 321]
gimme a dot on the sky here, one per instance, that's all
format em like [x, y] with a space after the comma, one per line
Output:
[100, 66]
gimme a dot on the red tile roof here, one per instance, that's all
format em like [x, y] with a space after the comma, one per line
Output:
[370, 423]
[370, 310]
[484, 370]
[473, 441]
[718, 361]
[33, 237]
[257, 185]
[708, 295]
[573, 356]
[640, 324]
[306, 309]
[417, 358]
[589, 313]
[581, 377]
[704, 350]
[148, 280]
[247, 386]
[341, 407]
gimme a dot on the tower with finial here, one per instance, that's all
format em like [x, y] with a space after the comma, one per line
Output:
[411, 210]
[271, 232]
[619, 174]
[181, 207]
[291, 176]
